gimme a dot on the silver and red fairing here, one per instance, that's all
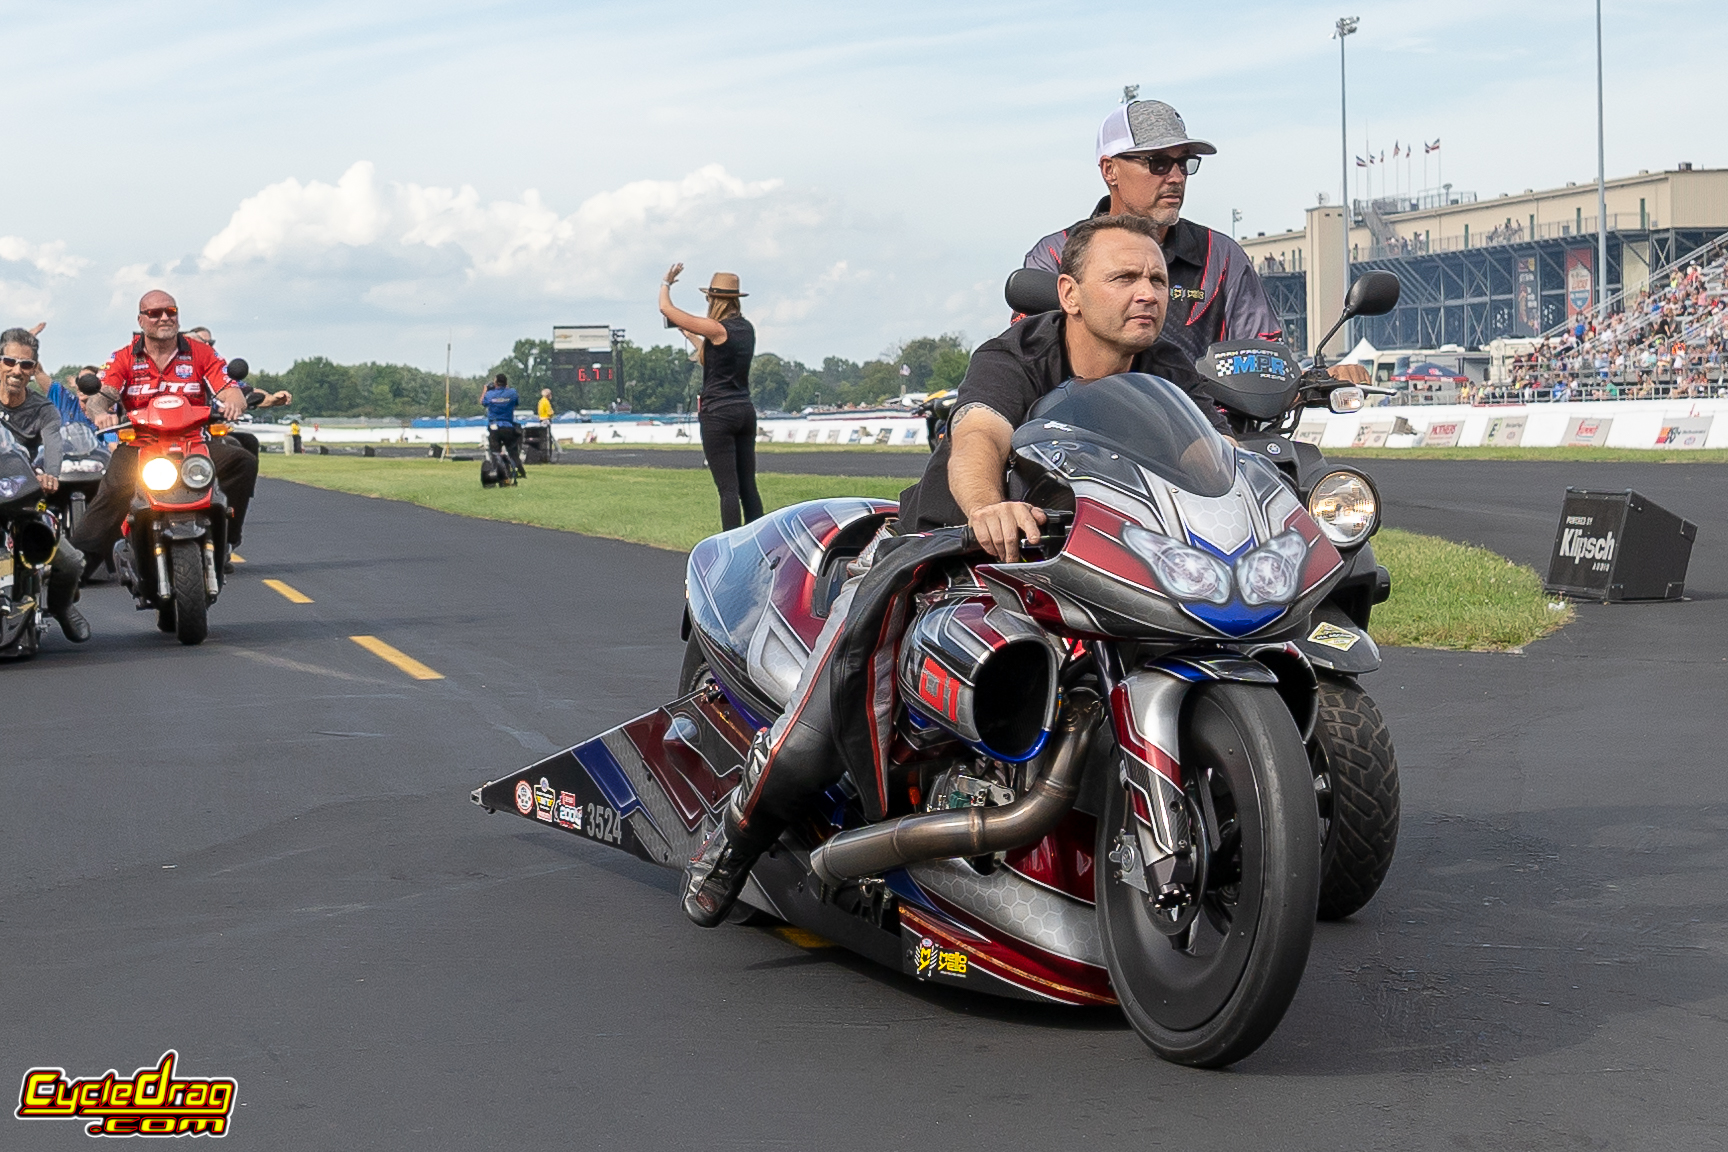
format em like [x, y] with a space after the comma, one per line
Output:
[759, 595]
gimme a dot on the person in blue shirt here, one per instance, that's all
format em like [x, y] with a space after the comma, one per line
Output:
[500, 402]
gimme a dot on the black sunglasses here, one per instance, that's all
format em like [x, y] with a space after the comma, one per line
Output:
[14, 362]
[1160, 165]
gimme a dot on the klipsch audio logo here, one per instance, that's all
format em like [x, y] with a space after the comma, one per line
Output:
[1578, 544]
[150, 1102]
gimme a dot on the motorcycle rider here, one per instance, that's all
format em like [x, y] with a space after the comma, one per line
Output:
[35, 423]
[1114, 292]
[158, 360]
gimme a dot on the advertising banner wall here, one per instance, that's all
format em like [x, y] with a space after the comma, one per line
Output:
[1505, 431]
[1442, 434]
[1587, 431]
[1690, 432]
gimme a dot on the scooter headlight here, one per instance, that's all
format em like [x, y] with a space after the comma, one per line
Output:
[1271, 573]
[160, 474]
[197, 472]
[1346, 507]
[1186, 573]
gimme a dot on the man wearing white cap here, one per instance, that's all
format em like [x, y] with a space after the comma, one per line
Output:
[1145, 156]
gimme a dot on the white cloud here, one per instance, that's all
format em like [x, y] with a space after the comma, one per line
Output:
[49, 258]
[524, 241]
[290, 215]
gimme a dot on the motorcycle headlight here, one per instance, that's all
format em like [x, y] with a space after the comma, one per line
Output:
[160, 474]
[1270, 573]
[197, 472]
[1186, 573]
[1346, 507]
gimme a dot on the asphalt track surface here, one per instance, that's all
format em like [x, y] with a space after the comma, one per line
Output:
[261, 853]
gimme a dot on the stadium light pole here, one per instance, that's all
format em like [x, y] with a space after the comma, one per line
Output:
[1602, 189]
[1346, 26]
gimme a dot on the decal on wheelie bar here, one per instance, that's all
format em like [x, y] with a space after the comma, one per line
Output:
[929, 960]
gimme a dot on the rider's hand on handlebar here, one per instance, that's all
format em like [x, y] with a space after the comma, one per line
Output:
[232, 401]
[50, 484]
[104, 420]
[1348, 373]
[1000, 527]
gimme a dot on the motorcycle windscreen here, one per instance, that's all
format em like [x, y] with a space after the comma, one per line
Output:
[1142, 418]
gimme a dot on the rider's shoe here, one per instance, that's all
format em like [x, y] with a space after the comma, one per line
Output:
[714, 878]
[73, 625]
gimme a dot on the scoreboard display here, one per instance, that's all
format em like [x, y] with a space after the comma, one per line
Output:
[582, 356]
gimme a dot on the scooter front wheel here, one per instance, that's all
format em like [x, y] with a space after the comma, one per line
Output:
[191, 610]
[1212, 992]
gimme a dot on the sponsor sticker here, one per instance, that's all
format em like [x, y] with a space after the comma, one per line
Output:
[153, 1101]
[545, 800]
[184, 371]
[524, 798]
[931, 960]
[1334, 637]
[569, 813]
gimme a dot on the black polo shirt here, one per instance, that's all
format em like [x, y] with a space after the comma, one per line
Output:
[1008, 375]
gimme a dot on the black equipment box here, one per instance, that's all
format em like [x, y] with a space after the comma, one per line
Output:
[536, 444]
[1619, 546]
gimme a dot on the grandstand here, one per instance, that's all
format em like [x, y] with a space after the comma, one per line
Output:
[1667, 339]
[1478, 269]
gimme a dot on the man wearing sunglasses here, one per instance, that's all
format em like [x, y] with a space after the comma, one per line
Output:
[160, 360]
[1145, 156]
[35, 423]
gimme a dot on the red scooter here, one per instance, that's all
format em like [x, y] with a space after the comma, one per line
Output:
[175, 538]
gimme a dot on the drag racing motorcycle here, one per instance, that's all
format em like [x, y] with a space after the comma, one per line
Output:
[84, 461]
[175, 538]
[1085, 778]
[31, 534]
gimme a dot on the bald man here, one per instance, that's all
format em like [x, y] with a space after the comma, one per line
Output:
[160, 360]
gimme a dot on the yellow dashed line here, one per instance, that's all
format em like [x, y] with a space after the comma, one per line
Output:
[236, 557]
[294, 595]
[801, 938]
[391, 656]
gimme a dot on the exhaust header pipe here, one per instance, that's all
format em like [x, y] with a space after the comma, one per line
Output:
[926, 836]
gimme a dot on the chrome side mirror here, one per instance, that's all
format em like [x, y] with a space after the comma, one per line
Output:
[1348, 399]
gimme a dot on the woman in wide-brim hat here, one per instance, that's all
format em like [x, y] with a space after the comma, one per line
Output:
[725, 343]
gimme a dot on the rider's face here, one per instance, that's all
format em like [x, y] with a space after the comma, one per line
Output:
[1124, 293]
[159, 316]
[14, 378]
[1157, 198]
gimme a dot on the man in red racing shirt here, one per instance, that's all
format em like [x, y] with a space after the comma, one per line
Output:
[160, 360]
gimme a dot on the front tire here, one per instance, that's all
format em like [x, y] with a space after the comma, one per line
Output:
[1356, 786]
[191, 610]
[695, 668]
[1212, 994]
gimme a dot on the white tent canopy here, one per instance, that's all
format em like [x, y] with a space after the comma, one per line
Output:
[1363, 353]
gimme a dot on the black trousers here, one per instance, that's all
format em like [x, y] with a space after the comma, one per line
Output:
[99, 530]
[729, 443]
[508, 438]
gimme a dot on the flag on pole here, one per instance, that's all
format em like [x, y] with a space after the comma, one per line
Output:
[1395, 152]
[1382, 155]
[1361, 163]
[1434, 147]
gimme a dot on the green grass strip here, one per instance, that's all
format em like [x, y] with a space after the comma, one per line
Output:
[1447, 595]
[663, 507]
[1444, 595]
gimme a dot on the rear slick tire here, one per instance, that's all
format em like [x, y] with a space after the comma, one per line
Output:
[191, 610]
[1216, 998]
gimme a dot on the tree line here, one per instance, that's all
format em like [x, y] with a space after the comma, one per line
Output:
[661, 378]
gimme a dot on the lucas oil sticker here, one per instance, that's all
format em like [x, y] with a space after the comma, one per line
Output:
[1334, 637]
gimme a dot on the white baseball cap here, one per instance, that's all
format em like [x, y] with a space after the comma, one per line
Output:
[1146, 126]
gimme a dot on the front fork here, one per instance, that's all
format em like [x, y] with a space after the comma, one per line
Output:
[1165, 848]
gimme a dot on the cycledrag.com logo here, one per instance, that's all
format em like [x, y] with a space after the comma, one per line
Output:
[150, 1102]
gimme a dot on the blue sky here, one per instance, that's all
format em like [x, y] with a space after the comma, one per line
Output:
[369, 180]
